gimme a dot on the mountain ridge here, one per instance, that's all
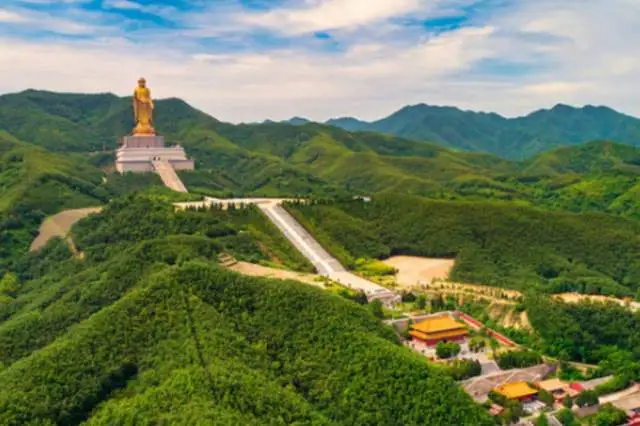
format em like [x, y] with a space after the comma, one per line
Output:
[312, 159]
[511, 137]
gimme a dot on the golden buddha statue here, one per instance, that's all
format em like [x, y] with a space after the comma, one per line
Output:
[143, 110]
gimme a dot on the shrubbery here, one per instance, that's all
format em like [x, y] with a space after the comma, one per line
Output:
[518, 359]
[447, 349]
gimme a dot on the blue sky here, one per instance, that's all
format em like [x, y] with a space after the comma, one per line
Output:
[249, 60]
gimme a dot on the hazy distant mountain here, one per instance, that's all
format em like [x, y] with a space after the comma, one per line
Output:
[297, 121]
[516, 138]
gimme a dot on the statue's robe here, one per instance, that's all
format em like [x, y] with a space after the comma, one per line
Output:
[143, 110]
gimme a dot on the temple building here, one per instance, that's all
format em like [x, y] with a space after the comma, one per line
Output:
[519, 391]
[438, 329]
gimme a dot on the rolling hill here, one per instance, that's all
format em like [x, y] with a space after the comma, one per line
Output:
[154, 331]
[310, 159]
[505, 245]
[35, 183]
[516, 138]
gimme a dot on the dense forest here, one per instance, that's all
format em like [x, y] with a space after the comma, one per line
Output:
[493, 243]
[151, 328]
[275, 159]
[590, 332]
[517, 138]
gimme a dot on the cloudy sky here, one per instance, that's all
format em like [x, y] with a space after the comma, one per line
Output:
[249, 60]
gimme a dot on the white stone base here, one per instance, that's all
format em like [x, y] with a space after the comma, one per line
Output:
[140, 160]
[143, 142]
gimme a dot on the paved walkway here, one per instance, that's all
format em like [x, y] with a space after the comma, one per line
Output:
[169, 176]
[326, 264]
[633, 389]
[304, 242]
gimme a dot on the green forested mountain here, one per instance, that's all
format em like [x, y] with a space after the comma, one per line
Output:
[35, 183]
[312, 159]
[143, 326]
[152, 331]
[499, 244]
[516, 138]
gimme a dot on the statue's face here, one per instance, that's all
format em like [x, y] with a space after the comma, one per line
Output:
[142, 83]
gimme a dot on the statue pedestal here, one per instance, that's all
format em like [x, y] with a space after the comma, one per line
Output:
[139, 153]
[143, 142]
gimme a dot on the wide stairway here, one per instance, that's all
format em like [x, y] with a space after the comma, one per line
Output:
[169, 176]
[326, 264]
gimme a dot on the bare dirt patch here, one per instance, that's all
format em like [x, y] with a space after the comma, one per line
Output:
[414, 270]
[254, 270]
[59, 225]
[432, 275]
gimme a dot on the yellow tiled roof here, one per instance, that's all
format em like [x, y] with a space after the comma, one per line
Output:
[516, 390]
[440, 335]
[439, 324]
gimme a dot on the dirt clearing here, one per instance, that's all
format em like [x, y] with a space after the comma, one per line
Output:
[412, 270]
[59, 225]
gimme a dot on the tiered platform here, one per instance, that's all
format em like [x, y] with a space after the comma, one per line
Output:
[138, 153]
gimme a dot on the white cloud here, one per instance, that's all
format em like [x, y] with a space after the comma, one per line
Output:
[11, 17]
[122, 4]
[38, 21]
[567, 52]
[333, 14]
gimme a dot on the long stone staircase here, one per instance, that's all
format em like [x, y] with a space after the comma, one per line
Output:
[326, 264]
[169, 176]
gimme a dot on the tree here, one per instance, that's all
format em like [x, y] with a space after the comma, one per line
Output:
[587, 398]
[567, 418]
[546, 397]
[477, 343]
[408, 297]
[542, 420]
[376, 308]
[437, 303]
[405, 332]
[567, 402]
[421, 302]
[446, 350]
[461, 369]
[518, 359]
[494, 346]
[360, 298]
[608, 415]
[9, 285]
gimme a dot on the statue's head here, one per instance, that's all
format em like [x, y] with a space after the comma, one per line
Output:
[142, 82]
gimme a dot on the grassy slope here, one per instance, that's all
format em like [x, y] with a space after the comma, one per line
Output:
[155, 332]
